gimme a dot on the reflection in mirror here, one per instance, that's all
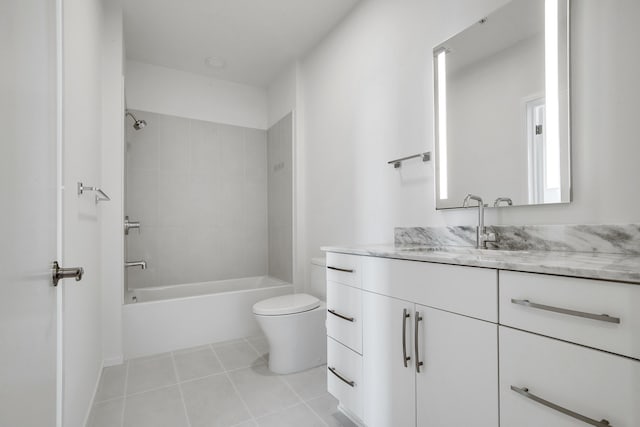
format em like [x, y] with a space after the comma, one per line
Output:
[502, 108]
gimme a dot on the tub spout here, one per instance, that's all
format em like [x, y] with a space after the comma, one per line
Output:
[141, 264]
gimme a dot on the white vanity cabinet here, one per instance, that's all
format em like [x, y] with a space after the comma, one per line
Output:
[421, 344]
[427, 367]
[560, 367]
[440, 315]
[567, 377]
[457, 384]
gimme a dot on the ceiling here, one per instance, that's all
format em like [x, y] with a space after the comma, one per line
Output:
[255, 38]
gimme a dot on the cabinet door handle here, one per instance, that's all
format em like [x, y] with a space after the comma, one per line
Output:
[344, 270]
[405, 316]
[342, 316]
[341, 378]
[525, 392]
[600, 317]
[418, 319]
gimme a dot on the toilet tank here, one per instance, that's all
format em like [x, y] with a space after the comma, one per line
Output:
[318, 278]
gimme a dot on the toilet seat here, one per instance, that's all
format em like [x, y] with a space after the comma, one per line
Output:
[286, 304]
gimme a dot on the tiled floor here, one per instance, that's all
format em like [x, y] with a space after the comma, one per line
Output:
[225, 384]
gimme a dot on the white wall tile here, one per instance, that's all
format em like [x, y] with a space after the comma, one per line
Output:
[201, 198]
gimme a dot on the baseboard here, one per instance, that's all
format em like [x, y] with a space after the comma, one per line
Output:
[93, 396]
[357, 421]
[113, 361]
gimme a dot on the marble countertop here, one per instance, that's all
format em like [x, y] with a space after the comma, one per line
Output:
[603, 266]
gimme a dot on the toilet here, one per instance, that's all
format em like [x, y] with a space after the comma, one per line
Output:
[295, 326]
[295, 329]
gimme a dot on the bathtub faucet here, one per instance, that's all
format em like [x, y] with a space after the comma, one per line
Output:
[141, 264]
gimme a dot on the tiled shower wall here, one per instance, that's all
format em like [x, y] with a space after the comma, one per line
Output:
[199, 190]
[280, 158]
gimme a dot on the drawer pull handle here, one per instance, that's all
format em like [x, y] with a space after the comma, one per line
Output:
[525, 392]
[344, 270]
[405, 316]
[418, 319]
[600, 317]
[342, 316]
[340, 377]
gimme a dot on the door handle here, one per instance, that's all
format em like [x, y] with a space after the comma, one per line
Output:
[600, 317]
[418, 319]
[525, 392]
[58, 273]
[405, 316]
[342, 316]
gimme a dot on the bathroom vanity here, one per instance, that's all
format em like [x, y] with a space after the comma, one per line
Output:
[453, 336]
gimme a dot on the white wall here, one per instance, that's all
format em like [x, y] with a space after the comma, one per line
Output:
[368, 97]
[112, 181]
[281, 94]
[178, 93]
[82, 135]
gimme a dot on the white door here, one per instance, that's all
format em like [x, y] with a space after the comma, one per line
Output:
[389, 385]
[458, 380]
[28, 213]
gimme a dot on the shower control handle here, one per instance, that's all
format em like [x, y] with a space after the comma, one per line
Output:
[129, 225]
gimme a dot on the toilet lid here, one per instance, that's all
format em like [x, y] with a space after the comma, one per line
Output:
[286, 304]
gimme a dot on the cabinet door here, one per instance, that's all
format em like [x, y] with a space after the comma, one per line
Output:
[542, 378]
[389, 385]
[458, 380]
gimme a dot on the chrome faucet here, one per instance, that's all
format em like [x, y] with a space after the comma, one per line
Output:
[499, 200]
[482, 237]
[141, 264]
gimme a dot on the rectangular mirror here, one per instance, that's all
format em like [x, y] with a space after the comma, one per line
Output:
[502, 108]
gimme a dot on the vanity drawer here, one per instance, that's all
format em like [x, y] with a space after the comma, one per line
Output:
[344, 316]
[345, 269]
[464, 290]
[589, 382]
[571, 309]
[344, 376]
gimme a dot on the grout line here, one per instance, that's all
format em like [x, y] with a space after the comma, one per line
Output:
[304, 402]
[255, 349]
[162, 387]
[184, 405]
[124, 397]
[235, 388]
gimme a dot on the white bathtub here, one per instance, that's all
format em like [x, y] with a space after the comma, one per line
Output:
[174, 317]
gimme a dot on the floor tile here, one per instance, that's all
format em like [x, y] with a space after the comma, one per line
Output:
[238, 354]
[309, 384]
[112, 383]
[158, 408]
[260, 344]
[150, 372]
[249, 423]
[263, 391]
[327, 408]
[215, 345]
[299, 415]
[196, 364]
[212, 401]
[107, 414]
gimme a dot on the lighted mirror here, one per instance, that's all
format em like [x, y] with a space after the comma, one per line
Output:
[502, 108]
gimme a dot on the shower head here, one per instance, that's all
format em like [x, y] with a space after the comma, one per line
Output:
[137, 124]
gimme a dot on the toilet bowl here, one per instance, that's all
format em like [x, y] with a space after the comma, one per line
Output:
[295, 329]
